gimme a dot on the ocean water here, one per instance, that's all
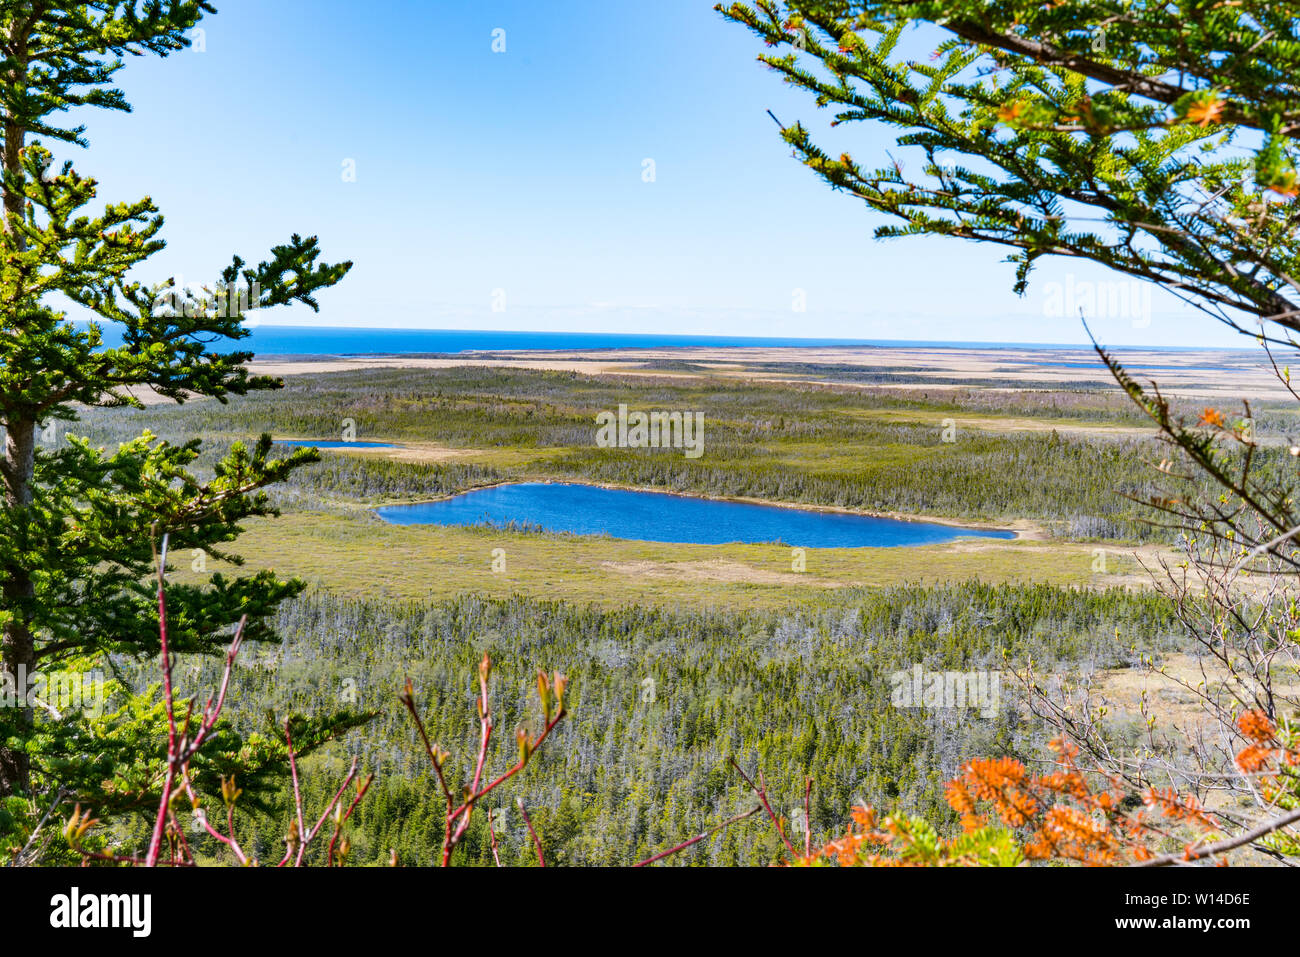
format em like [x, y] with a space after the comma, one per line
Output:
[661, 517]
[340, 341]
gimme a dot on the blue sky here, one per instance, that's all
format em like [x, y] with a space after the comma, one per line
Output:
[520, 175]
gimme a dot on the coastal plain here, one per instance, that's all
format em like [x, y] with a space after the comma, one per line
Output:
[871, 417]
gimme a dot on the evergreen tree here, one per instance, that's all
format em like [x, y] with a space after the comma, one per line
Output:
[78, 524]
[1158, 139]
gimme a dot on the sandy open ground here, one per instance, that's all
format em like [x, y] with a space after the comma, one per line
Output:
[1214, 375]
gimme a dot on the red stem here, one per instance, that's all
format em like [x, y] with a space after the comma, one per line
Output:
[297, 800]
[807, 817]
[338, 828]
[762, 797]
[699, 837]
[541, 861]
[160, 821]
[492, 834]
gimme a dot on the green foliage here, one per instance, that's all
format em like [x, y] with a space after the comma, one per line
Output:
[75, 531]
[1122, 133]
[60, 56]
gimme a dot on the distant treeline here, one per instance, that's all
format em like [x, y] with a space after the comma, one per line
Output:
[796, 443]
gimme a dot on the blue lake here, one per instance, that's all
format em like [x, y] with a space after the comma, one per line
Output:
[660, 517]
[329, 444]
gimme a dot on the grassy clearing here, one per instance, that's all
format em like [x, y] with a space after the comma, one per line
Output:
[1001, 423]
[362, 556]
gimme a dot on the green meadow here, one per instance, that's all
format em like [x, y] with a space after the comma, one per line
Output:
[358, 555]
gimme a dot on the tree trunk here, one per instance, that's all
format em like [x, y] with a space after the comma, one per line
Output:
[17, 645]
[13, 147]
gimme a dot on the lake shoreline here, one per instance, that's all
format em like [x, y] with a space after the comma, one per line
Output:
[1024, 530]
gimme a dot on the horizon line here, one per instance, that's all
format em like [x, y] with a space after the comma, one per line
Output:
[724, 339]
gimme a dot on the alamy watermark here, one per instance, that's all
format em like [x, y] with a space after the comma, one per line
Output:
[58, 693]
[1106, 299]
[224, 300]
[651, 430]
[919, 688]
[73, 910]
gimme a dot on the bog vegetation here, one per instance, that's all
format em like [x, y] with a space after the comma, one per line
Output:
[811, 445]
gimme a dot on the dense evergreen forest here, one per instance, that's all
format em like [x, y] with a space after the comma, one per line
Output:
[661, 700]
